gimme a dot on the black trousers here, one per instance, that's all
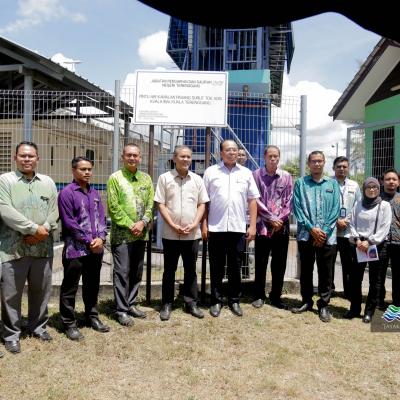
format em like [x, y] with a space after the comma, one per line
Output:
[343, 247]
[89, 268]
[325, 257]
[127, 274]
[391, 253]
[226, 246]
[375, 282]
[188, 250]
[277, 246]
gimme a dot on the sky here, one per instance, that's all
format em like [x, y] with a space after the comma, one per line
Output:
[113, 38]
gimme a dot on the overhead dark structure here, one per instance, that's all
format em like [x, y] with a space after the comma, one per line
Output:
[381, 18]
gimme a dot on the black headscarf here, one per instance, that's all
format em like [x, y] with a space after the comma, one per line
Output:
[369, 202]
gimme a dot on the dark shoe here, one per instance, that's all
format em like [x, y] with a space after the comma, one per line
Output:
[303, 308]
[13, 346]
[324, 314]
[382, 306]
[367, 318]
[74, 334]
[215, 310]
[277, 304]
[194, 310]
[45, 336]
[136, 313]
[258, 303]
[165, 312]
[351, 314]
[124, 319]
[97, 325]
[235, 308]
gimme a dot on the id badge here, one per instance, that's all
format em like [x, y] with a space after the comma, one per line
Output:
[343, 212]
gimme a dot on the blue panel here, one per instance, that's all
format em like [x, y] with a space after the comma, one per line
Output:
[249, 119]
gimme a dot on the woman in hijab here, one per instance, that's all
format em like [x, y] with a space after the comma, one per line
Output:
[369, 225]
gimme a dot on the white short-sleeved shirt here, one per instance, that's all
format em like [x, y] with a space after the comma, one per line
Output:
[229, 191]
[181, 196]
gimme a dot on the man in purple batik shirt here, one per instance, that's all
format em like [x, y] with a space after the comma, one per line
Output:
[84, 233]
[273, 209]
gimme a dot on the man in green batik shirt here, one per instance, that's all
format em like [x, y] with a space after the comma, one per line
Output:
[130, 196]
[29, 215]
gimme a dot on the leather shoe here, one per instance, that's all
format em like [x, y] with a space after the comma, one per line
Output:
[382, 306]
[303, 308]
[235, 308]
[324, 314]
[13, 346]
[194, 310]
[73, 333]
[277, 304]
[351, 314]
[136, 313]
[45, 336]
[367, 318]
[258, 303]
[97, 325]
[124, 319]
[215, 310]
[165, 312]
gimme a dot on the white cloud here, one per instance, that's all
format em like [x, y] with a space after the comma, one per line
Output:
[152, 50]
[322, 132]
[36, 12]
[65, 62]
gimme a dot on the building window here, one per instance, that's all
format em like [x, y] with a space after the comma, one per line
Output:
[90, 155]
[382, 150]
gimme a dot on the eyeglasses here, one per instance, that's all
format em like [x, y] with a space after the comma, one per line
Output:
[372, 188]
[314, 162]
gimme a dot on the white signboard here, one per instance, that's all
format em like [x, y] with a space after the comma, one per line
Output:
[188, 98]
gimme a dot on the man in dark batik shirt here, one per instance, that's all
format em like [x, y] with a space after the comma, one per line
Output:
[84, 234]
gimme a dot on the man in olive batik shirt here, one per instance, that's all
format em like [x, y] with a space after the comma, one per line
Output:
[29, 214]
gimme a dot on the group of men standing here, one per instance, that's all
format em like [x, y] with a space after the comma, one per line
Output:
[230, 204]
[30, 210]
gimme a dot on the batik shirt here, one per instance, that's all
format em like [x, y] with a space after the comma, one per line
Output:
[82, 217]
[275, 202]
[129, 200]
[394, 200]
[24, 205]
[316, 205]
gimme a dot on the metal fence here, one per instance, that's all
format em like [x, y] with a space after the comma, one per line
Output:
[372, 149]
[96, 125]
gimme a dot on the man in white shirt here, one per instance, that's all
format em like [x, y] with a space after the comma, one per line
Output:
[349, 194]
[231, 188]
[181, 198]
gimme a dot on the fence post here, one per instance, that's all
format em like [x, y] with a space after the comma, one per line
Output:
[28, 106]
[204, 249]
[303, 155]
[115, 158]
[150, 168]
[303, 134]
[348, 143]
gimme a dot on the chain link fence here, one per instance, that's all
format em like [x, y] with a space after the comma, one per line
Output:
[69, 124]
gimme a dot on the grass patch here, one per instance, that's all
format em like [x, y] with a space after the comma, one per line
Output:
[268, 353]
